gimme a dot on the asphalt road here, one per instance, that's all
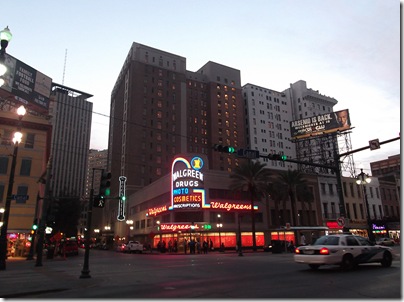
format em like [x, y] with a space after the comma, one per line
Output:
[215, 275]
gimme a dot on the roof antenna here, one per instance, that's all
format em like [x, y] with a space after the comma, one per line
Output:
[64, 68]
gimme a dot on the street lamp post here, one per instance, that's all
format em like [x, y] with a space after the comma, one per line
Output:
[5, 37]
[3, 237]
[219, 225]
[364, 179]
[1, 212]
[240, 249]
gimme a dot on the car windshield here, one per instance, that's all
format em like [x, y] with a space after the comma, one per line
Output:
[327, 240]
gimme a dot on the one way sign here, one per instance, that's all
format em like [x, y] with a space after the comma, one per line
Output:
[374, 144]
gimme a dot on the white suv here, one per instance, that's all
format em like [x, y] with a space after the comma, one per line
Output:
[346, 250]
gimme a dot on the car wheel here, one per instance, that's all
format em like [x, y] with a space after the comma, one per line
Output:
[387, 259]
[314, 266]
[347, 262]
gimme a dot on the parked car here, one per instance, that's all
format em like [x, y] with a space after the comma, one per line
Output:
[134, 246]
[346, 250]
[385, 241]
[121, 247]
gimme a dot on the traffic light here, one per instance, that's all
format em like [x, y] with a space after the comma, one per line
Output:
[207, 227]
[105, 184]
[224, 149]
[35, 225]
[277, 157]
[123, 198]
[99, 201]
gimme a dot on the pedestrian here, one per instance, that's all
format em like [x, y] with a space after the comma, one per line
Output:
[175, 245]
[198, 246]
[302, 239]
[205, 247]
[291, 246]
[185, 246]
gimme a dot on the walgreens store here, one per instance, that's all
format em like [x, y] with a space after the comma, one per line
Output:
[194, 203]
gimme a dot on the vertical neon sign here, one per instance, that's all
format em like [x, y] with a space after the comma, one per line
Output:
[187, 184]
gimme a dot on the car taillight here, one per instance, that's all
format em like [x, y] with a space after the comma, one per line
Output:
[324, 251]
[297, 251]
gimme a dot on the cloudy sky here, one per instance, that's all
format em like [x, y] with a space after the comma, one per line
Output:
[348, 50]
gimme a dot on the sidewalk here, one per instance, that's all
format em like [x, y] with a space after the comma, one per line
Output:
[22, 278]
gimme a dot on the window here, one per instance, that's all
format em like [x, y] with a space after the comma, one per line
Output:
[3, 164]
[331, 189]
[22, 190]
[25, 167]
[322, 188]
[6, 137]
[29, 140]
[351, 241]
[345, 192]
[352, 189]
[355, 211]
[1, 192]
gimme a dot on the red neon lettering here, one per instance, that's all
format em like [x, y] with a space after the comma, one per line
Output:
[155, 211]
[188, 198]
[229, 206]
[175, 227]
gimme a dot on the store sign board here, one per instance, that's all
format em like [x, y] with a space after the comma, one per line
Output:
[187, 184]
[333, 225]
[231, 206]
[173, 227]
[156, 211]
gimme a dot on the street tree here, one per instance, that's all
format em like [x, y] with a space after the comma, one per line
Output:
[250, 176]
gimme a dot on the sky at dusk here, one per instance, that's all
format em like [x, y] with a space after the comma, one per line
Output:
[348, 50]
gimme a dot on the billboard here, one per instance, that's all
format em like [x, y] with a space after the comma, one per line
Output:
[320, 124]
[27, 85]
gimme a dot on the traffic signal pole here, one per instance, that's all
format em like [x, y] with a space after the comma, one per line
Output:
[85, 272]
[336, 167]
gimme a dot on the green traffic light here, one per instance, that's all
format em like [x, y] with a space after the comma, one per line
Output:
[284, 157]
[34, 227]
[123, 198]
[107, 191]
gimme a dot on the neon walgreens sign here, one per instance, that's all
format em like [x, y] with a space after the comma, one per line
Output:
[230, 206]
[178, 226]
[156, 211]
[187, 188]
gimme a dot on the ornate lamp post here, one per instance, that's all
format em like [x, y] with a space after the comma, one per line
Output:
[3, 237]
[240, 249]
[364, 179]
[219, 225]
[5, 37]
[1, 212]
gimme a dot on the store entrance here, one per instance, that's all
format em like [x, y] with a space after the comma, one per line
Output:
[188, 242]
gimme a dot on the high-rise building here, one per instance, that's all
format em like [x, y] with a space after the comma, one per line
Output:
[305, 103]
[159, 109]
[71, 120]
[97, 160]
[269, 114]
